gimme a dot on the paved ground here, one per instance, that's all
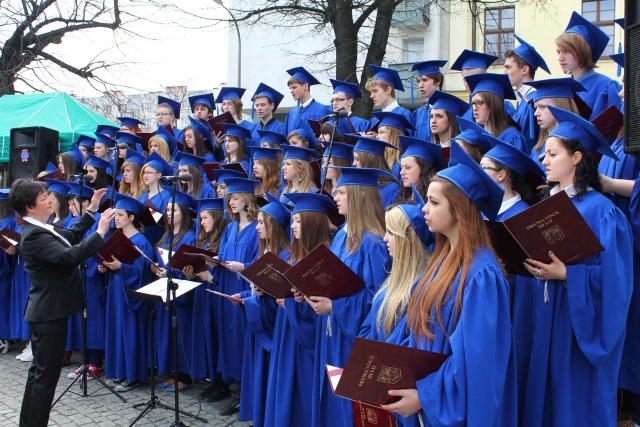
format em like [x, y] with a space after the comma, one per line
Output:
[101, 408]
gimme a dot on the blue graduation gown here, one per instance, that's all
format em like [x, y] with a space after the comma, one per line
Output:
[297, 118]
[476, 385]
[184, 306]
[96, 306]
[273, 126]
[602, 91]
[126, 349]
[513, 137]
[232, 323]
[578, 335]
[258, 344]
[20, 286]
[524, 116]
[6, 274]
[336, 331]
[422, 122]
[154, 232]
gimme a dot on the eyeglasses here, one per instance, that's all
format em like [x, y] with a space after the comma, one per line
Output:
[334, 100]
[477, 104]
[491, 168]
[149, 172]
[162, 114]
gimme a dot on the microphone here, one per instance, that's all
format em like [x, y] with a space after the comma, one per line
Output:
[341, 114]
[185, 177]
[78, 175]
[121, 146]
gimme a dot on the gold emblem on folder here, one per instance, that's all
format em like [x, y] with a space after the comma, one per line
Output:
[372, 417]
[389, 375]
[553, 234]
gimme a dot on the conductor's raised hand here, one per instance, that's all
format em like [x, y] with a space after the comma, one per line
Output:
[105, 221]
[97, 197]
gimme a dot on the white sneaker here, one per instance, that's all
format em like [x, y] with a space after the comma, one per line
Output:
[27, 350]
[4, 346]
[27, 357]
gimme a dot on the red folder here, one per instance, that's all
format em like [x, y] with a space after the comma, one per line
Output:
[267, 273]
[554, 224]
[144, 140]
[375, 367]
[56, 174]
[119, 247]
[609, 123]
[9, 238]
[323, 274]
[217, 122]
[366, 415]
[188, 255]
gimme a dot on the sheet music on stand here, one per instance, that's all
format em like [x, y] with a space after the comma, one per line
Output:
[157, 291]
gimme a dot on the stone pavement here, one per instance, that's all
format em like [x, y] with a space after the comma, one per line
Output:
[101, 408]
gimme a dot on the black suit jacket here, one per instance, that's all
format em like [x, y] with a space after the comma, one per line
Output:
[52, 266]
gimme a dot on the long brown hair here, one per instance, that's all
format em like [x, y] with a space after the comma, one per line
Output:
[277, 239]
[375, 161]
[565, 104]
[435, 286]
[314, 231]
[213, 237]
[390, 155]
[240, 153]
[270, 180]
[364, 214]
[200, 149]
[454, 128]
[185, 225]
[497, 121]
[579, 48]
[306, 182]
[251, 206]
[197, 182]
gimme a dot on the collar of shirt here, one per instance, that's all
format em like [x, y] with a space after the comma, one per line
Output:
[509, 203]
[523, 92]
[306, 104]
[570, 190]
[47, 227]
[264, 125]
[391, 106]
[586, 75]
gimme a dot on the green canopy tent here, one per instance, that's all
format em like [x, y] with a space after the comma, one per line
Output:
[57, 111]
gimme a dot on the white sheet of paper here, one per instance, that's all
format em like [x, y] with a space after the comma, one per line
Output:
[159, 288]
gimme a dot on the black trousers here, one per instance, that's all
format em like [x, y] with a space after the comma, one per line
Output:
[48, 341]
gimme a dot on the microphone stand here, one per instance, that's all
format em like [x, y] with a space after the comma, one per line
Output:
[84, 368]
[336, 117]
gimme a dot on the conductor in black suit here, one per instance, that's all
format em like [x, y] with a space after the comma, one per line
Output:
[51, 258]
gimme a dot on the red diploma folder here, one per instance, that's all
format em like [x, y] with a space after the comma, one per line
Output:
[56, 174]
[554, 224]
[120, 247]
[609, 123]
[9, 238]
[365, 415]
[375, 367]
[217, 122]
[267, 273]
[188, 255]
[323, 274]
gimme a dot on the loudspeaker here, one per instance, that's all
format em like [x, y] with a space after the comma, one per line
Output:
[632, 77]
[30, 150]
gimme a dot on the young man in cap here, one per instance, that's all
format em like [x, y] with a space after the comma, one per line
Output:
[308, 108]
[265, 101]
[167, 112]
[382, 86]
[430, 79]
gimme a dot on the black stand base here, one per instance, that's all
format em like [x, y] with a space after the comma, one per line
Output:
[83, 377]
[154, 403]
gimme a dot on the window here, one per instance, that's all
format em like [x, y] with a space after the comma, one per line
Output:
[414, 50]
[601, 13]
[498, 31]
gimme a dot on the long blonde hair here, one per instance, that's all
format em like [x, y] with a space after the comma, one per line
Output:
[137, 187]
[410, 259]
[565, 104]
[364, 213]
[435, 286]
[305, 182]
[163, 147]
[390, 155]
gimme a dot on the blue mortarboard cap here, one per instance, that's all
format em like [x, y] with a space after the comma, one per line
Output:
[472, 59]
[97, 162]
[189, 159]
[498, 84]
[371, 145]
[237, 131]
[620, 22]
[428, 67]
[416, 195]
[277, 210]
[174, 105]
[575, 128]
[104, 139]
[135, 157]
[216, 204]
[272, 137]
[394, 120]
[264, 90]
[310, 202]
[530, 55]
[57, 186]
[205, 99]
[341, 151]
[107, 129]
[301, 74]
[258, 153]
[595, 37]
[183, 199]
[306, 134]
[475, 134]
[199, 127]
[351, 89]
[4, 193]
[86, 141]
[220, 175]
[428, 151]
[389, 75]
[74, 189]
[129, 204]
[128, 138]
[75, 152]
[448, 102]
[474, 182]
[414, 214]
[298, 153]
[172, 142]
[156, 161]
[360, 176]
[50, 167]
[241, 185]
[563, 87]
[514, 159]
[227, 93]
[618, 58]
[129, 121]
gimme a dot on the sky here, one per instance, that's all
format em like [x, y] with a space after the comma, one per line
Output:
[151, 53]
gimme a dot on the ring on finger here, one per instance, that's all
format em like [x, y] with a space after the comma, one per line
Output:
[538, 273]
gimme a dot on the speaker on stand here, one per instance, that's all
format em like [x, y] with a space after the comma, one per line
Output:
[30, 150]
[632, 77]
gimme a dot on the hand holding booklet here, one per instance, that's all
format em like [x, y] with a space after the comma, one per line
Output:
[9, 238]
[119, 246]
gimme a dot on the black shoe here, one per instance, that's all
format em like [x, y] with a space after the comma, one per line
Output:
[231, 408]
[220, 393]
[207, 391]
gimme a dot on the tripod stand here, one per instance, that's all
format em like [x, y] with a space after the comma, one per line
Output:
[84, 368]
